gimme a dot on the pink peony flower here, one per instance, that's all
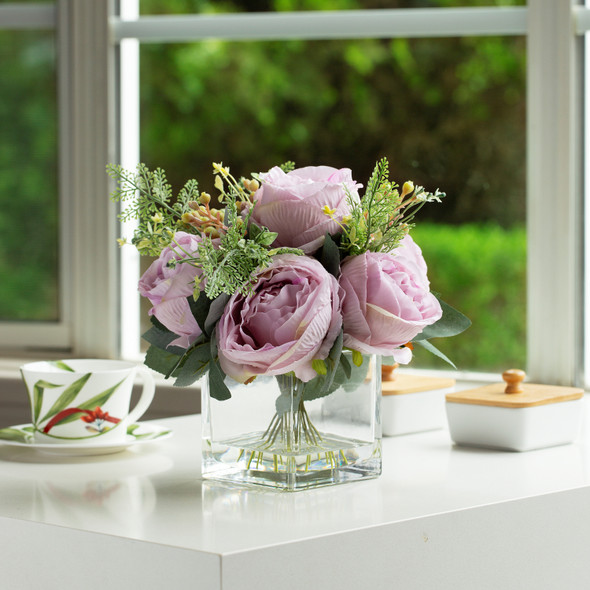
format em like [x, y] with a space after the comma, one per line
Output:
[387, 300]
[167, 288]
[292, 318]
[292, 204]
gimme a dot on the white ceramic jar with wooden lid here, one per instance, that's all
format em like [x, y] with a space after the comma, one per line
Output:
[515, 416]
[412, 403]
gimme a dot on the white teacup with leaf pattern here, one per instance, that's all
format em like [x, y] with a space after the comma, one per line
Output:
[84, 400]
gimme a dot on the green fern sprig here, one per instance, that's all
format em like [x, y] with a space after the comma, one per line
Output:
[384, 215]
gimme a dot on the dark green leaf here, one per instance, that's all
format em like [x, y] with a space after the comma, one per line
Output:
[345, 365]
[451, 323]
[215, 312]
[67, 397]
[217, 388]
[324, 384]
[161, 338]
[195, 365]
[200, 309]
[329, 256]
[161, 361]
[431, 348]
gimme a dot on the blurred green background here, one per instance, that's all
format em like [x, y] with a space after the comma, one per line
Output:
[448, 113]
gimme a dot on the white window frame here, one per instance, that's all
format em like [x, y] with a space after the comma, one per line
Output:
[555, 31]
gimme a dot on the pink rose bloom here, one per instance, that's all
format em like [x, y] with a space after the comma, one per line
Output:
[292, 204]
[387, 300]
[167, 288]
[292, 318]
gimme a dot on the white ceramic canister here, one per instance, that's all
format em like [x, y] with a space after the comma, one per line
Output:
[413, 403]
[515, 416]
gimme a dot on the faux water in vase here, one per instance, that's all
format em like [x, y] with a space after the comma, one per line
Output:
[282, 433]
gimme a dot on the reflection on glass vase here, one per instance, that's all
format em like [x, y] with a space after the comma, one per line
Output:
[282, 433]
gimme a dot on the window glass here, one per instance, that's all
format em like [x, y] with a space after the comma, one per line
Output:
[28, 177]
[447, 113]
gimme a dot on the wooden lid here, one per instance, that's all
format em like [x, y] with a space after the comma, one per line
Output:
[394, 384]
[515, 394]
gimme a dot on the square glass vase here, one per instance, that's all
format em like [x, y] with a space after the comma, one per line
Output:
[281, 433]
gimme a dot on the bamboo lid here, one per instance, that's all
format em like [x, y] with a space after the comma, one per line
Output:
[394, 384]
[513, 393]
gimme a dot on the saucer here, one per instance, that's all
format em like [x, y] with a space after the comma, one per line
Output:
[137, 434]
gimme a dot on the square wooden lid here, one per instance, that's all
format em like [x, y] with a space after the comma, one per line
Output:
[515, 394]
[401, 384]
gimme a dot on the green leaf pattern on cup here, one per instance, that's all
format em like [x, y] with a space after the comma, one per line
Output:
[63, 366]
[24, 435]
[67, 397]
[64, 403]
[38, 389]
[97, 401]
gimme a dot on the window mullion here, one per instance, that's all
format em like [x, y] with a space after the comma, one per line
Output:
[87, 144]
[337, 24]
[554, 194]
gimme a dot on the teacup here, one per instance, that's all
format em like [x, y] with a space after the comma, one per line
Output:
[84, 400]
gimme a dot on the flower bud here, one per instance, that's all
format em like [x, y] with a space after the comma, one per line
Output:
[251, 185]
[407, 188]
[205, 198]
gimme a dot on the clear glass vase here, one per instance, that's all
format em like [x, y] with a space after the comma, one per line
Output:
[282, 433]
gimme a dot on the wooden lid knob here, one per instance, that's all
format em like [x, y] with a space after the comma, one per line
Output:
[514, 379]
[387, 372]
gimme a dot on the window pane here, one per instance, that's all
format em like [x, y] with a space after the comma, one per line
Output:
[209, 6]
[28, 177]
[447, 113]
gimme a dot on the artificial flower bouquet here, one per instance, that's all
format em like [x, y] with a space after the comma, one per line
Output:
[291, 276]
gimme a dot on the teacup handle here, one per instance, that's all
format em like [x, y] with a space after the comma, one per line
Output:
[147, 395]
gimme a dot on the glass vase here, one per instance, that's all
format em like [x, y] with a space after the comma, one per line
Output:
[282, 433]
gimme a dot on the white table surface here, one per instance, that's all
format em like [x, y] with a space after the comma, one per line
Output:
[440, 517]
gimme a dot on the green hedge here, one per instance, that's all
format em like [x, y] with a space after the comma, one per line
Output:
[481, 270]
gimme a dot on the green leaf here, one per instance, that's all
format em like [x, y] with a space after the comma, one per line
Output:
[431, 348]
[208, 311]
[200, 309]
[358, 374]
[216, 310]
[261, 235]
[451, 323]
[95, 402]
[67, 397]
[345, 365]
[195, 366]
[325, 384]
[161, 337]
[161, 361]
[217, 388]
[329, 256]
